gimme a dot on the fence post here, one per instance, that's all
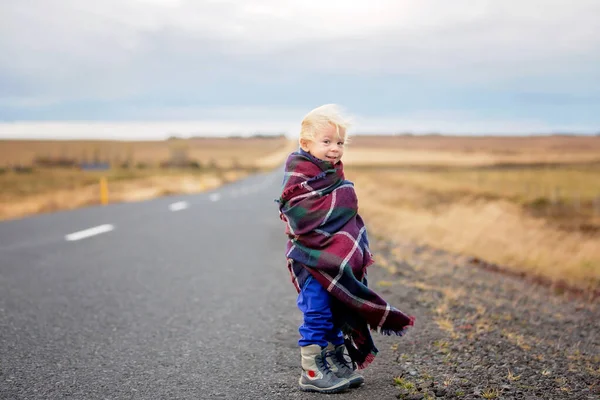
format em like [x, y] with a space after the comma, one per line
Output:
[103, 191]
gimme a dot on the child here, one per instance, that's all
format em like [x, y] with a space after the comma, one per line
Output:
[328, 254]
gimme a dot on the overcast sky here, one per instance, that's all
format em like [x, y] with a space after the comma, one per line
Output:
[149, 68]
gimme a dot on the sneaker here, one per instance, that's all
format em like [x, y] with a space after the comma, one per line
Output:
[343, 367]
[316, 373]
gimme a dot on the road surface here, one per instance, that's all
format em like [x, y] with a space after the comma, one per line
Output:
[184, 297]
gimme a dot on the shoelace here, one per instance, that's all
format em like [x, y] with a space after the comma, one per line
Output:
[323, 365]
[341, 359]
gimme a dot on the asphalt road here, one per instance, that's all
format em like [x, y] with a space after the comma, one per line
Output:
[184, 297]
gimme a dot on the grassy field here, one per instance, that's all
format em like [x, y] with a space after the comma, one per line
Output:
[42, 189]
[224, 152]
[534, 148]
[528, 204]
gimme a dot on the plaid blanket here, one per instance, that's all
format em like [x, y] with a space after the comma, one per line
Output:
[328, 240]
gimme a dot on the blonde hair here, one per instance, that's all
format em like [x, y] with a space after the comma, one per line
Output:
[319, 118]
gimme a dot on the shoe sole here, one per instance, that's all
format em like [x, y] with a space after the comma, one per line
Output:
[356, 383]
[336, 389]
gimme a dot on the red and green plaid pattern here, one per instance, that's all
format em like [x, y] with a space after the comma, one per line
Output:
[328, 239]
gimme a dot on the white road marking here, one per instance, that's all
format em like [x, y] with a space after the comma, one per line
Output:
[215, 197]
[180, 205]
[97, 230]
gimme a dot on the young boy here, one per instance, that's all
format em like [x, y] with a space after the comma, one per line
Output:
[328, 253]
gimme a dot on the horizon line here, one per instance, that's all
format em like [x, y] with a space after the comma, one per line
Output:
[274, 135]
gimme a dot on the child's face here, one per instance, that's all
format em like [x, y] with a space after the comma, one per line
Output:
[327, 146]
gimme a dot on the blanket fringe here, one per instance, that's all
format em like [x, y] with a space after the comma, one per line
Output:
[368, 360]
[391, 332]
[402, 332]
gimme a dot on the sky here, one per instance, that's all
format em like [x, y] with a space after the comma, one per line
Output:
[143, 69]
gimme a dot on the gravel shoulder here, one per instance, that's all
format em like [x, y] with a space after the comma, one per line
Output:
[479, 333]
[484, 334]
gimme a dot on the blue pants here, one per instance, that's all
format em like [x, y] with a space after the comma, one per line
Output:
[317, 328]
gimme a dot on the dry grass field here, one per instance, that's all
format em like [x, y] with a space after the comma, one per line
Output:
[529, 204]
[135, 172]
[472, 151]
[224, 152]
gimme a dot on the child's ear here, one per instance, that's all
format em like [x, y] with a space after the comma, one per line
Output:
[304, 144]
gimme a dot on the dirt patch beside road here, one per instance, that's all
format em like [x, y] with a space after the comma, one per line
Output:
[482, 334]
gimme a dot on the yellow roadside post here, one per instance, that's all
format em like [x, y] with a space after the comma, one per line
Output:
[103, 191]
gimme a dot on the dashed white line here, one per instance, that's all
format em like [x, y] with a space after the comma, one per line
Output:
[215, 197]
[180, 205]
[97, 230]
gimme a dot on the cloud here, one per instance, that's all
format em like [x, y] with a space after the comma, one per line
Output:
[97, 58]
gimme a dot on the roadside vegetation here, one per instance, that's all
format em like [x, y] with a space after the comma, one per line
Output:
[529, 216]
[46, 176]
[525, 205]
